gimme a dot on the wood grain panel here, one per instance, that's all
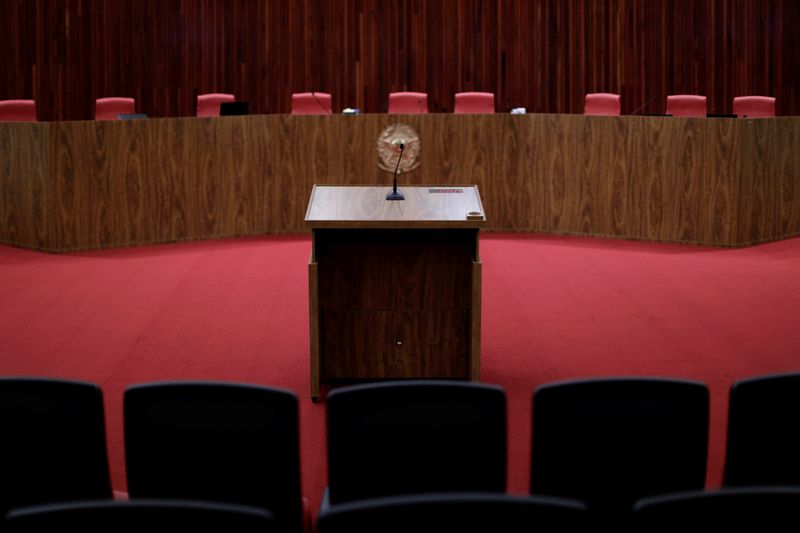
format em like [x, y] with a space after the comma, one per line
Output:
[80, 185]
[769, 188]
[783, 164]
[726, 146]
[544, 55]
[425, 207]
[72, 171]
[173, 180]
[395, 303]
[24, 185]
[409, 272]
[394, 344]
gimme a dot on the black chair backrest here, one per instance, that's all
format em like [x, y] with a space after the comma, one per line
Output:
[139, 516]
[772, 508]
[458, 512]
[220, 442]
[763, 445]
[409, 437]
[52, 442]
[610, 442]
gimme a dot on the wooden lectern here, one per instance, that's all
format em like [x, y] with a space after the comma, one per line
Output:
[394, 286]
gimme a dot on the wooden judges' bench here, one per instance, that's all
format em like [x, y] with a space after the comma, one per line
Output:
[79, 185]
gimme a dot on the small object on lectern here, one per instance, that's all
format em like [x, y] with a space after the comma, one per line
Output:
[474, 215]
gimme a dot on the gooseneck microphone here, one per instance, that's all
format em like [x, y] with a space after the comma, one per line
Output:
[394, 194]
[643, 106]
[321, 105]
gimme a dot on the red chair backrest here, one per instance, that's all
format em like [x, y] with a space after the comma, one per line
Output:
[602, 104]
[474, 103]
[17, 111]
[311, 104]
[408, 103]
[110, 108]
[686, 105]
[208, 104]
[754, 106]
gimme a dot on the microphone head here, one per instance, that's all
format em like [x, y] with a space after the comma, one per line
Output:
[402, 145]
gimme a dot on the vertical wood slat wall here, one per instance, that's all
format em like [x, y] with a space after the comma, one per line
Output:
[540, 54]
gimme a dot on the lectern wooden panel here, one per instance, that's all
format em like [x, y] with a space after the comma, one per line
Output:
[394, 286]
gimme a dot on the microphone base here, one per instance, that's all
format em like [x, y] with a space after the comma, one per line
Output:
[395, 195]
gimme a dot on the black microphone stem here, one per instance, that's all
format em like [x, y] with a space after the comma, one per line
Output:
[643, 106]
[321, 106]
[393, 194]
[394, 189]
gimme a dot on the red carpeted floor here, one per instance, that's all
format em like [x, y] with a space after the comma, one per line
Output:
[554, 308]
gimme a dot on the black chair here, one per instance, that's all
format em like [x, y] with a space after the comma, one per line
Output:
[139, 516]
[610, 442]
[772, 508]
[396, 438]
[215, 442]
[461, 512]
[53, 442]
[763, 446]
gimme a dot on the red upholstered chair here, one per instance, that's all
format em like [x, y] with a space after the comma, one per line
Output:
[686, 105]
[408, 103]
[110, 108]
[602, 104]
[311, 104]
[474, 103]
[208, 104]
[17, 111]
[754, 106]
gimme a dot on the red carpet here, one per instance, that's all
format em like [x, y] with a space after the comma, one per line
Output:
[554, 308]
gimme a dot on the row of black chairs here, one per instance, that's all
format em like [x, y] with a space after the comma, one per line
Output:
[770, 508]
[107, 516]
[606, 442]
[229, 443]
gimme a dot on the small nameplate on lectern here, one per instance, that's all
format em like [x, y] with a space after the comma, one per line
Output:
[444, 191]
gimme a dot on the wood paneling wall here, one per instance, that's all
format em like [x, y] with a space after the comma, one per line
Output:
[540, 54]
[77, 185]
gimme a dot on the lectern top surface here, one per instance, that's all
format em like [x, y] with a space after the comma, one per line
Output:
[445, 206]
